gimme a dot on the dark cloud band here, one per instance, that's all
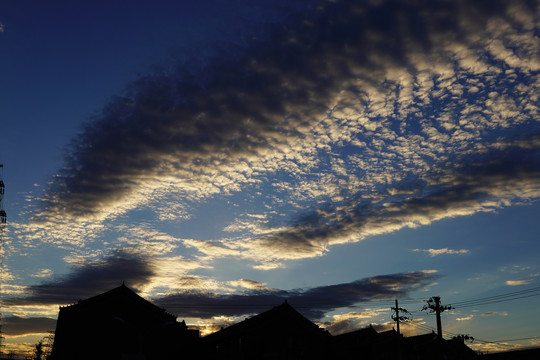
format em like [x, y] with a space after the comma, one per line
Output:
[15, 325]
[88, 280]
[313, 303]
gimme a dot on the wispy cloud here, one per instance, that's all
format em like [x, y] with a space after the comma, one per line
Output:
[43, 273]
[494, 313]
[518, 282]
[443, 251]
[250, 284]
[343, 323]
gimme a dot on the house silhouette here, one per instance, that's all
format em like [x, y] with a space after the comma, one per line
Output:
[118, 324]
[279, 333]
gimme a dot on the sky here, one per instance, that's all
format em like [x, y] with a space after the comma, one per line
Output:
[220, 157]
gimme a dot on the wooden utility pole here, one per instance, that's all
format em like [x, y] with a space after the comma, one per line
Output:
[438, 315]
[397, 318]
[434, 304]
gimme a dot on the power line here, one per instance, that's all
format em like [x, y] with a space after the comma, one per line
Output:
[422, 327]
[499, 298]
[509, 340]
[505, 294]
[496, 301]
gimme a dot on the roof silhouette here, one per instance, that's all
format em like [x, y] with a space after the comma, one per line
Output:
[127, 325]
[279, 333]
[283, 314]
[119, 296]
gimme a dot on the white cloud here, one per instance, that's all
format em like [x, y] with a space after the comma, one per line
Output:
[443, 251]
[249, 284]
[518, 282]
[346, 322]
[43, 273]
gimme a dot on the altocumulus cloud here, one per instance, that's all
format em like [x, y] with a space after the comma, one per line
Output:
[372, 116]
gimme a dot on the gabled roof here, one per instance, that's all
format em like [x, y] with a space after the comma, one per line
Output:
[283, 314]
[119, 296]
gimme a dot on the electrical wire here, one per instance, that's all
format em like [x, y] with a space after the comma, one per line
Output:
[515, 295]
[494, 302]
[508, 340]
[503, 295]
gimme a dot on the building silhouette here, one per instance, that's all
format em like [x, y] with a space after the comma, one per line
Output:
[118, 324]
[279, 333]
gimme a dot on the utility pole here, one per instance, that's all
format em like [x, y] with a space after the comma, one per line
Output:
[397, 318]
[434, 304]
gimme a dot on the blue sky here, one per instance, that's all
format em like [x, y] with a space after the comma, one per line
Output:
[238, 152]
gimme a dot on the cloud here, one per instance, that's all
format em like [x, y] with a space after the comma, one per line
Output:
[167, 281]
[16, 326]
[87, 280]
[469, 317]
[249, 284]
[351, 101]
[515, 269]
[436, 252]
[494, 313]
[518, 282]
[347, 322]
[491, 182]
[43, 273]
[313, 302]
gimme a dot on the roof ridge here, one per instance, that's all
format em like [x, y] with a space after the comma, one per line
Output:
[264, 316]
[119, 290]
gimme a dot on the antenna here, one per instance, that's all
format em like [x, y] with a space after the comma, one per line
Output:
[3, 217]
[3, 220]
